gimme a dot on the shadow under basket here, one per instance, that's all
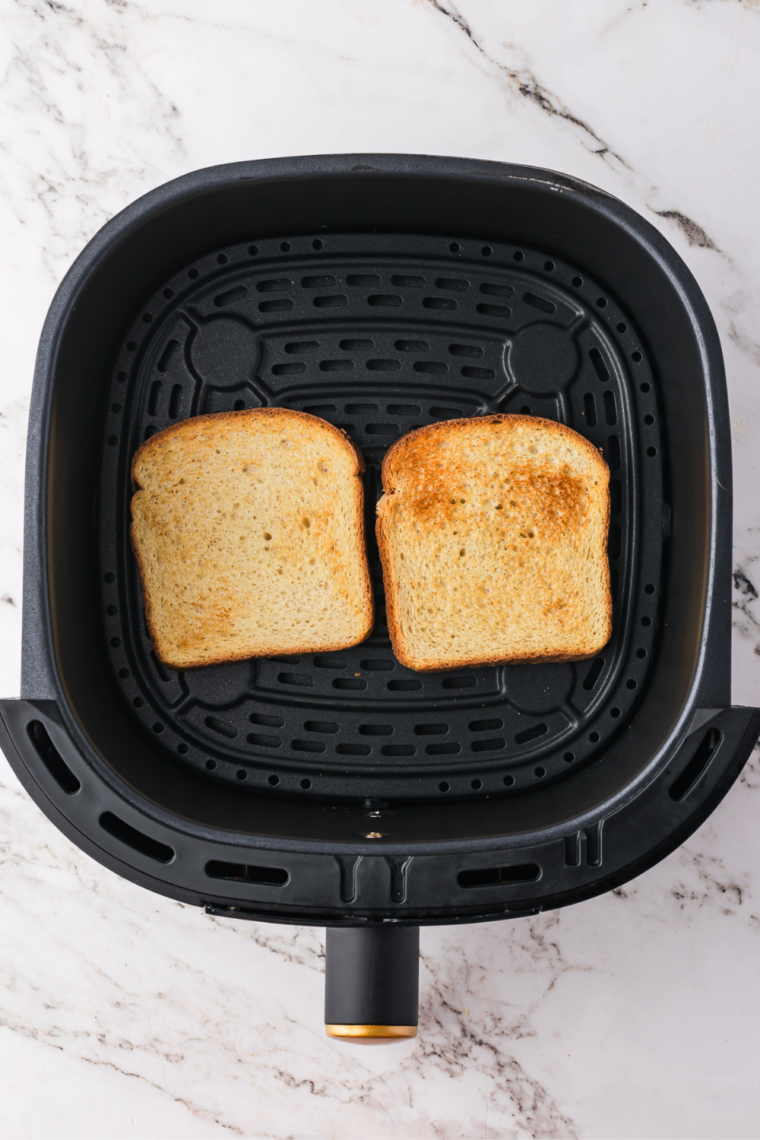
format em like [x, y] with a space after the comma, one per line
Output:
[381, 293]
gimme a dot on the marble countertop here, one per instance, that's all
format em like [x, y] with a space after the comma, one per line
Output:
[123, 1014]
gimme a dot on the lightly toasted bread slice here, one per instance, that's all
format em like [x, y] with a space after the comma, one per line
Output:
[248, 531]
[492, 534]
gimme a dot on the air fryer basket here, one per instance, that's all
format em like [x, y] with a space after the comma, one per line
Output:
[342, 789]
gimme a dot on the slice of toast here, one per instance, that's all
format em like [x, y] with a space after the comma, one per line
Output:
[492, 534]
[249, 534]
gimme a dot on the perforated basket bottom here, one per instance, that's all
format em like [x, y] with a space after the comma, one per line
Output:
[380, 334]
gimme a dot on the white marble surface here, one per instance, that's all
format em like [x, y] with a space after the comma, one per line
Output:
[635, 1015]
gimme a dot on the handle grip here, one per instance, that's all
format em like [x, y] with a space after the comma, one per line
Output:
[372, 983]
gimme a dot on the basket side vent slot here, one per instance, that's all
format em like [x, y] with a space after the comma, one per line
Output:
[135, 839]
[247, 873]
[683, 784]
[499, 876]
[52, 759]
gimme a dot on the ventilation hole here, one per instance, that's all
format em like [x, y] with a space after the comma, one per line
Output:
[285, 246]
[301, 346]
[155, 397]
[518, 255]
[229, 296]
[531, 733]
[377, 664]
[614, 580]
[321, 409]
[263, 741]
[615, 541]
[499, 876]
[645, 387]
[132, 344]
[434, 366]
[291, 659]
[412, 346]
[307, 745]
[222, 727]
[404, 686]
[274, 285]
[526, 411]
[593, 674]
[569, 757]
[375, 729]
[403, 409]
[210, 765]
[325, 282]
[615, 713]
[443, 786]
[408, 280]
[589, 408]
[439, 303]
[349, 683]
[398, 750]
[478, 373]
[496, 290]
[577, 282]
[492, 745]
[460, 681]
[548, 266]
[112, 440]
[138, 702]
[476, 785]
[454, 248]
[431, 729]
[610, 413]
[182, 749]
[683, 784]
[175, 401]
[509, 781]
[116, 642]
[600, 367]
[470, 350]
[540, 772]
[116, 408]
[616, 497]
[121, 377]
[385, 300]
[301, 679]
[649, 420]
[147, 318]
[500, 311]
[361, 409]
[356, 345]
[443, 749]
[613, 444]
[593, 737]
[246, 873]
[275, 306]
[485, 725]
[630, 683]
[135, 839]
[267, 721]
[452, 284]
[539, 303]
[306, 784]
[649, 588]
[52, 759]
[332, 301]
[347, 428]
[316, 244]
[292, 369]
[109, 577]
[641, 653]
[601, 302]
[646, 621]
[111, 610]
[353, 749]
[636, 356]
[328, 727]
[363, 279]
[123, 673]
[651, 452]
[383, 365]
[445, 413]
[272, 780]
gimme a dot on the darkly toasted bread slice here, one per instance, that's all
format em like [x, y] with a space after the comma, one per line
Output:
[492, 533]
[249, 534]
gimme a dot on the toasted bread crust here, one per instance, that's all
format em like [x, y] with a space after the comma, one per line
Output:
[162, 651]
[393, 460]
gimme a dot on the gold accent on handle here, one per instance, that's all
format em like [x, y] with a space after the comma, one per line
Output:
[371, 1034]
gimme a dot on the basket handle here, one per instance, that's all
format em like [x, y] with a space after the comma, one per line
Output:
[372, 983]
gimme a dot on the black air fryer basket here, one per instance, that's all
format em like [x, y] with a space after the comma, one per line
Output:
[343, 790]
